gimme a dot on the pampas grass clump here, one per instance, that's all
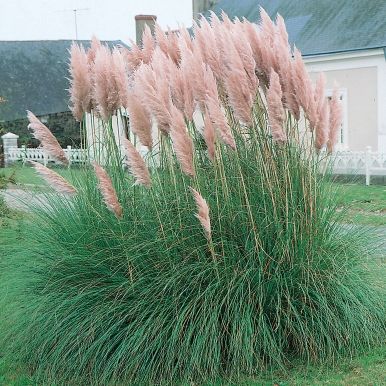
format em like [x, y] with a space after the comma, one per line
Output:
[218, 257]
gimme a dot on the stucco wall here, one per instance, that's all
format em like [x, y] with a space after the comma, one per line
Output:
[361, 104]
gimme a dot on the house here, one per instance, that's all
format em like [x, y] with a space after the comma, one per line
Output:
[345, 39]
[34, 76]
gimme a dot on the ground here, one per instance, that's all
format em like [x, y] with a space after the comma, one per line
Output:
[366, 206]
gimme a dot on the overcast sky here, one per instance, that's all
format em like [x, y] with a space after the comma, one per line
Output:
[107, 19]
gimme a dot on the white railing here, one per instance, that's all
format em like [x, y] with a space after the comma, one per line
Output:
[368, 163]
[39, 155]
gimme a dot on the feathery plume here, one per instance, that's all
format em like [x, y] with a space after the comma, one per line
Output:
[209, 136]
[137, 164]
[321, 130]
[322, 112]
[108, 192]
[213, 107]
[95, 45]
[105, 96]
[182, 143]
[154, 90]
[335, 121]
[140, 120]
[203, 213]
[55, 180]
[80, 83]
[304, 92]
[148, 45]
[276, 113]
[120, 76]
[50, 144]
[205, 39]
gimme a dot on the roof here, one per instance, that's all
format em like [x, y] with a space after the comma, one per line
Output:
[34, 76]
[320, 27]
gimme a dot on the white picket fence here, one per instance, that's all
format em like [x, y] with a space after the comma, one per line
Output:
[39, 155]
[368, 163]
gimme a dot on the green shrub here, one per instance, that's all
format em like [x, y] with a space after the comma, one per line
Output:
[142, 299]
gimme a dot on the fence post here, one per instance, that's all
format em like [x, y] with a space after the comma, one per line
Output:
[23, 154]
[45, 158]
[69, 155]
[368, 164]
[9, 142]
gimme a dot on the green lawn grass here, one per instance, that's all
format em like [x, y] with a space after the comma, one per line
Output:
[363, 204]
[366, 369]
[26, 175]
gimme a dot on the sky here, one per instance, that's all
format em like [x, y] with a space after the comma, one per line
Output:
[107, 19]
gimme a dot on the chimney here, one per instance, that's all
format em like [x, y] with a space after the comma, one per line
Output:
[140, 22]
[200, 6]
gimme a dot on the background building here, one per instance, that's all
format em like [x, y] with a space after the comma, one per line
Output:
[345, 39]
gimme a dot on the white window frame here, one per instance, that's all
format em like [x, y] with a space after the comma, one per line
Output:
[343, 142]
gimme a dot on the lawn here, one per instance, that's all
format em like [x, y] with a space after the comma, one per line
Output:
[25, 175]
[364, 204]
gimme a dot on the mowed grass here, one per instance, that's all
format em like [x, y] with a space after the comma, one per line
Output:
[26, 175]
[363, 204]
[366, 369]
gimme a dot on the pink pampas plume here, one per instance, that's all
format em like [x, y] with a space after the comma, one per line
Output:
[106, 97]
[206, 40]
[80, 83]
[219, 121]
[283, 62]
[335, 121]
[148, 45]
[182, 89]
[321, 130]
[322, 112]
[194, 68]
[203, 213]
[304, 92]
[185, 38]
[137, 164]
[182, 143]
[209, 136]
[168, 43]
[261, 50]
[154, 90]
[55, 180]
[107, 190]
[50, 144]
[120, 76]
[214, 108]
[276, 113]
[140, 120]
[95, 45]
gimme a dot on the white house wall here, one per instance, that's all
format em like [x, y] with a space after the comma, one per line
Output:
[363, 75]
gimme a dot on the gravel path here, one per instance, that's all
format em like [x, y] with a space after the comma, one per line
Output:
[20, 199]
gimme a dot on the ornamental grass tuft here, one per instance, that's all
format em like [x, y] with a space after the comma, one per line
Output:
[218, 255]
